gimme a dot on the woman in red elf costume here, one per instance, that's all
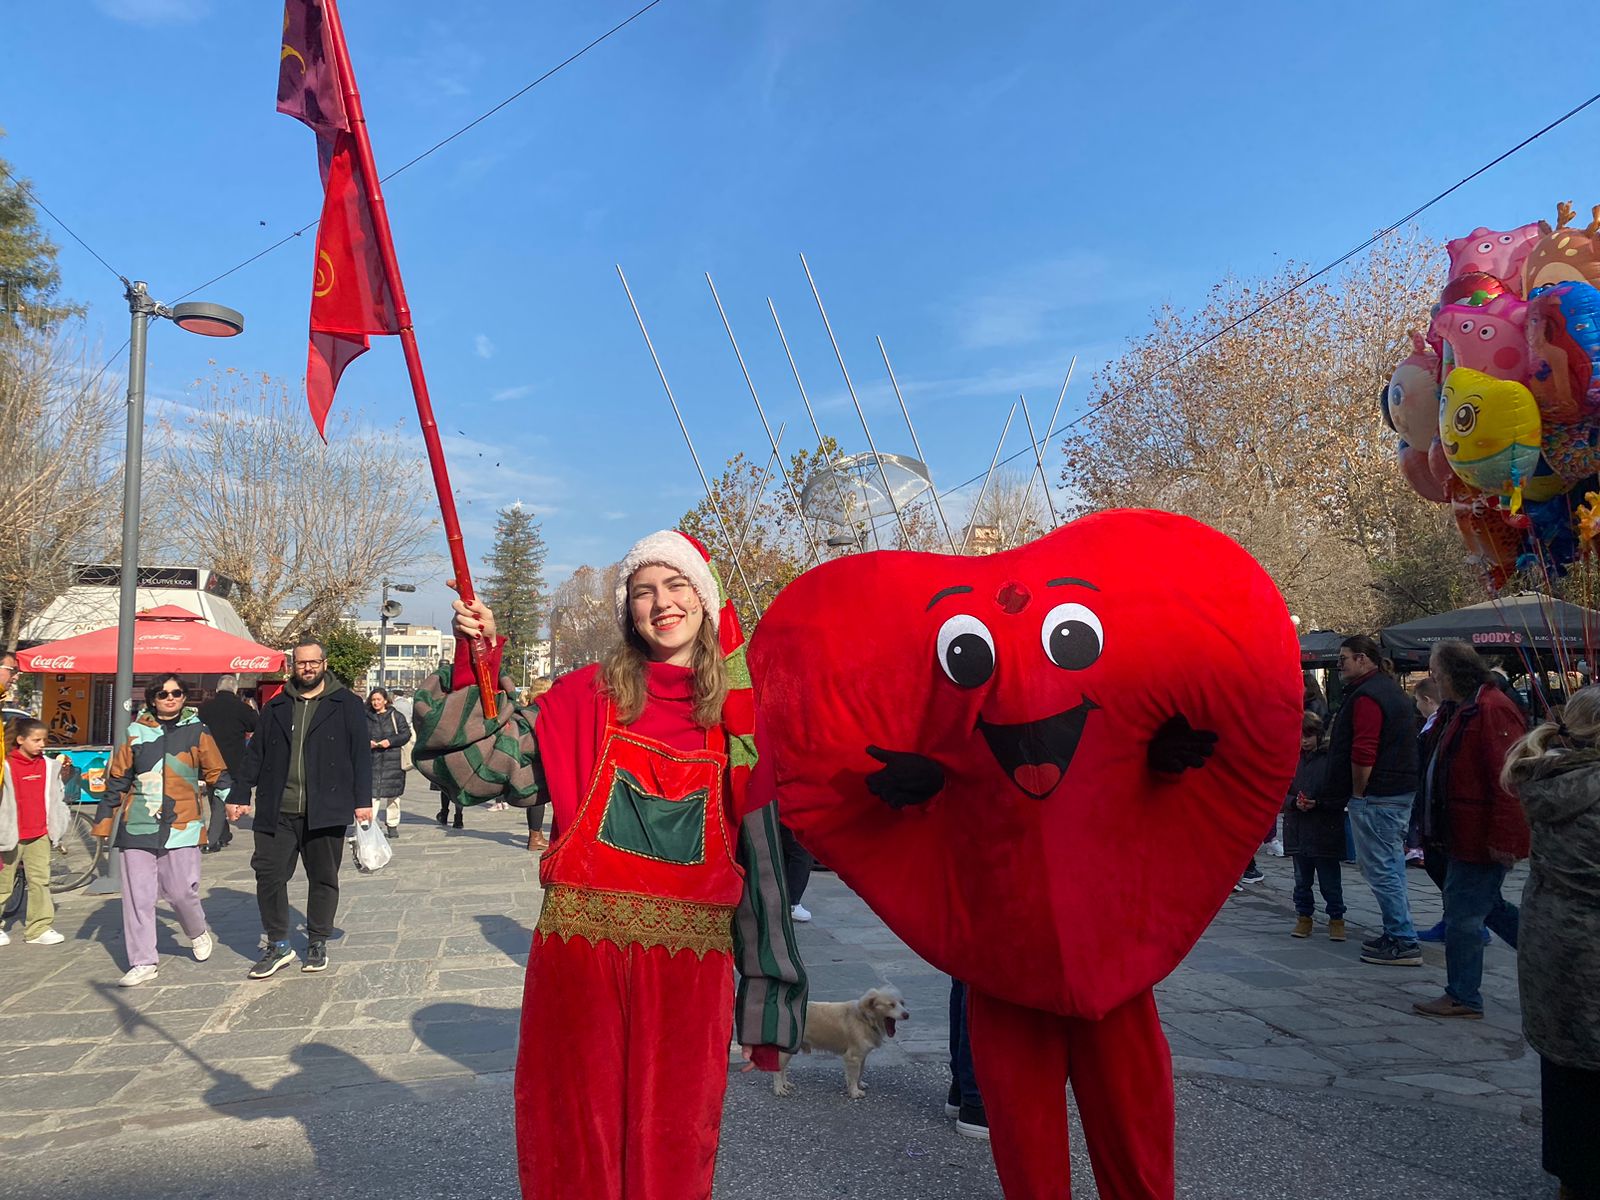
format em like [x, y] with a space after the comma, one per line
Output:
[664, 872]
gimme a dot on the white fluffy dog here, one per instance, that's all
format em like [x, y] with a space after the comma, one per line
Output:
[852, 1029]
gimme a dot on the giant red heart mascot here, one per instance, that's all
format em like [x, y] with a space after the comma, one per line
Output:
[1045, 770]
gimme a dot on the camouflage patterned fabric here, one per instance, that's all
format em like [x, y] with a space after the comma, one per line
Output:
[474, 760]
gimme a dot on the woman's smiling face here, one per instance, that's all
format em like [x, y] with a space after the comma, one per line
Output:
[665, 609]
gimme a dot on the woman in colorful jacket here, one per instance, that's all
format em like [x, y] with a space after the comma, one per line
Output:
[152, 808]
[665, 871]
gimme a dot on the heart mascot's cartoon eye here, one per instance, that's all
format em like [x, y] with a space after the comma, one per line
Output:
[1072, 636]
[966, 651]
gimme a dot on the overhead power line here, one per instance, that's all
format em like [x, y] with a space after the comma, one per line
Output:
[34, 196]
[440, 144]
[1289, 291]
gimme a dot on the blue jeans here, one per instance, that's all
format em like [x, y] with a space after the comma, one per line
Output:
[1326, 873]
[1472, 900]
[1380, 824]
[966, 1079]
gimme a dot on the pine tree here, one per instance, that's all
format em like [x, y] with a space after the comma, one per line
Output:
[515, 588]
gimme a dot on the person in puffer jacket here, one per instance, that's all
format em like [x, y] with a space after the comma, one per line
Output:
[157, 815]
[1555, 772]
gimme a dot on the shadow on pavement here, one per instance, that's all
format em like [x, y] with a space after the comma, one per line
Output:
[511, 938]
[477, 1037]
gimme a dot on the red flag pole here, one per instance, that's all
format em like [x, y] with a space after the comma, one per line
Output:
[487, 688]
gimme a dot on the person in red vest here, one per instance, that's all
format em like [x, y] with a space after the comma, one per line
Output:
[665, 872]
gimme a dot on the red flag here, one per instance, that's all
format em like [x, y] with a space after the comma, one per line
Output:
[350, 294]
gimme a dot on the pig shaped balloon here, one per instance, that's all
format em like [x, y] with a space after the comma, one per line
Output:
[1493, 252]
[967, 741]
[1490, 337]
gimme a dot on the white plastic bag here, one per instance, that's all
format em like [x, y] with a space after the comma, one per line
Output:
[372, 848]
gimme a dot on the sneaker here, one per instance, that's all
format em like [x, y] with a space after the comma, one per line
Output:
[973, 1122]
[1302, 927]
[952, 1102]
[316, 957]
[1436, 934]
[1238, 887]
[5, 938]
[274, 958]
[138, 975]
[392, 832]
[1394, 954]
[1446, 1006]
[1274, 847]
[1252, 874]
[800, 912]
[48, 938]
[1336, 929]
[203, 946]
[1377, 943]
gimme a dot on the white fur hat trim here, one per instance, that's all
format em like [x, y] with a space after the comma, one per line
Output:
[669, 548]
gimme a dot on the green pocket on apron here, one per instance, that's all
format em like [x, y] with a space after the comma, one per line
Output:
[652, 826]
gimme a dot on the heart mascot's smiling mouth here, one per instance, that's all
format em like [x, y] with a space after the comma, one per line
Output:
[1035, 755]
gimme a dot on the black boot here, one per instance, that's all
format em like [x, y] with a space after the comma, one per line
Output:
[444, 813]
[458, 823]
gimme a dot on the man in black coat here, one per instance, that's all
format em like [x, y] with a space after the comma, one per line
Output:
[309, 766]
[231, 721]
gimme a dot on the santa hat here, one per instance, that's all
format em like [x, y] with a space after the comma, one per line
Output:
[669, 548]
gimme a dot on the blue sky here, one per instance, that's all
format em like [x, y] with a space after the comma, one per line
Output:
[991, 189]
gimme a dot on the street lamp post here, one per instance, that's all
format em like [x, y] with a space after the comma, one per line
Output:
[208, 320]
[388, 608]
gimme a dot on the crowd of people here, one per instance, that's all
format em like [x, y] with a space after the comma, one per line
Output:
[1453, 770]
[1450, 775]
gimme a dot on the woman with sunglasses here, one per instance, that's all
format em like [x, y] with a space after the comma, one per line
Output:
[153, 810]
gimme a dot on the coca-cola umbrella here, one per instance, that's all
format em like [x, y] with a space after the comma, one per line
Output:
[167, 638]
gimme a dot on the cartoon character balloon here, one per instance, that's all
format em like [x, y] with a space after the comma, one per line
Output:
[1490, 430]
[1411, 407]
[1564, 349]
[1490, 337]
[1490, 542]
[1564, 254]
[1493, 252]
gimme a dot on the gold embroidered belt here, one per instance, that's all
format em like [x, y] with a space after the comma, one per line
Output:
[626, 919]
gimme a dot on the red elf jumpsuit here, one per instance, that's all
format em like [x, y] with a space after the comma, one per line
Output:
[634, 943]
[661, 879]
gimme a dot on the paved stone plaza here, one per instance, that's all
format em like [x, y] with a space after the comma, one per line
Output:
[388, 1075]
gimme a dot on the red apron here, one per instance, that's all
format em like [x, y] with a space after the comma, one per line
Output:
[628, 1006]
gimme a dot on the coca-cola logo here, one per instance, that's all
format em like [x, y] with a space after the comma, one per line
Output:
[261, 662]
[61, 662]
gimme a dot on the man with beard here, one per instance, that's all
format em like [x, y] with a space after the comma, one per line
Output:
[310, 768]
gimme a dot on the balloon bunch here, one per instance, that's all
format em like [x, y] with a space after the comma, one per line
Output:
[1498, 404]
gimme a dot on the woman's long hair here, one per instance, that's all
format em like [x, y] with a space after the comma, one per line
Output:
[1577, 729]
[624, 670]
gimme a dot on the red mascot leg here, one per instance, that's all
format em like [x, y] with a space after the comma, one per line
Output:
[1121, 1069]
[1021, 1059]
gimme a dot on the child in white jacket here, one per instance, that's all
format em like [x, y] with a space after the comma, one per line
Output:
[33, 817]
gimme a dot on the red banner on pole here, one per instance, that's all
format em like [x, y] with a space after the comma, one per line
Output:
[350, 295]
